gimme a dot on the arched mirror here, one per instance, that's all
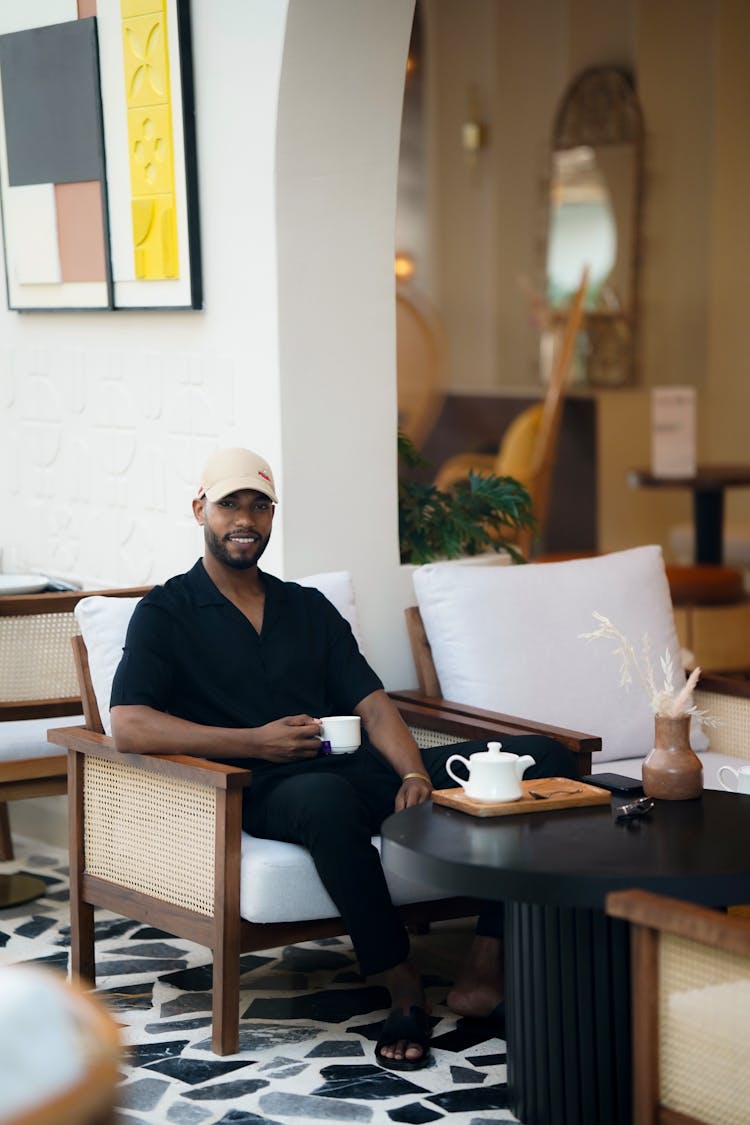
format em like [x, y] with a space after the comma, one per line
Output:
[594, 219]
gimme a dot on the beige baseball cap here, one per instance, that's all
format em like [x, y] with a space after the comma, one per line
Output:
[229, 470]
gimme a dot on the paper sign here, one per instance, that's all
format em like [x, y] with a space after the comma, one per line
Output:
[673, 444]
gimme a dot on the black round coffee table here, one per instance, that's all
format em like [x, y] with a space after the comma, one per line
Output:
[567, 962]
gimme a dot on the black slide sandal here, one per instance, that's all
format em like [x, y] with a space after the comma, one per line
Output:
[413, 1028]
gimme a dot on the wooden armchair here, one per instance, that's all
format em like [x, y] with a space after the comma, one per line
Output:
[159, 839]
[691, 1011]
[38, 686]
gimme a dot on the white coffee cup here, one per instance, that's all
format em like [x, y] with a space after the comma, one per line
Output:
[741, 777]
[341, 733]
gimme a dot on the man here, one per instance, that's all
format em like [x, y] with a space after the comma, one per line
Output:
[228, 662]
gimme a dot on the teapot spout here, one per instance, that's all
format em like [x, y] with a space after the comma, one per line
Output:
[523, 764]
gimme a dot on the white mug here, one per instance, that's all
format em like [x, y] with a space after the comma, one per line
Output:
[494, 775]
[741, 776]
[340, 734]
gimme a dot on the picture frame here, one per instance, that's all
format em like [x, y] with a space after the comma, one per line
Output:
[98, 166]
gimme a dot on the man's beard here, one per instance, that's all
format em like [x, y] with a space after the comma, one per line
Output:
[221, 551]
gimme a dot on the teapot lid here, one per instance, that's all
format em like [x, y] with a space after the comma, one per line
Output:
[494, 753]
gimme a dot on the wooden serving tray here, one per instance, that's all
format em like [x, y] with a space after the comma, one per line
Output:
[568, 794]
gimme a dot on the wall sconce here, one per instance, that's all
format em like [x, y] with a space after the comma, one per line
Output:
[404, 266]
[473, 130]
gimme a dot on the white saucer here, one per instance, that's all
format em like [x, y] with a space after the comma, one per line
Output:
[22, 583]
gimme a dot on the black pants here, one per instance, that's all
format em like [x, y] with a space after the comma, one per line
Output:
[334, 805]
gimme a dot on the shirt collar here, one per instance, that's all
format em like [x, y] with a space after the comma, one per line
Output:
[207, 593]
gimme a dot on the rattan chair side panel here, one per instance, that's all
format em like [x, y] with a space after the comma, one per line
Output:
[732, 735]
[425, 738]
[35, 660]
[150, 833]
[704, 1031]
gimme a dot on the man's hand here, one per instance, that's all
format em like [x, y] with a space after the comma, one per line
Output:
[291, 739]
[413, 791]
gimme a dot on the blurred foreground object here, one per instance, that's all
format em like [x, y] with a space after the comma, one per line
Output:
[59, 1051]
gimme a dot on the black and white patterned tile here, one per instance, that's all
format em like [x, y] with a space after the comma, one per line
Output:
[308, 1025]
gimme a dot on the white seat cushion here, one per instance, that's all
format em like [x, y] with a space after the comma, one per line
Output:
[27, 738]
[509, 639]
[268, 865]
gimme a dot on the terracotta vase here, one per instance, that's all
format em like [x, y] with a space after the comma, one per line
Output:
[672, 771]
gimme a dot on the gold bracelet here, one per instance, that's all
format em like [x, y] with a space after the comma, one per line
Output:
[421, 776]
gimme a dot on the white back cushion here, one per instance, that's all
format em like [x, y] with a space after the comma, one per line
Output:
[508, 638]
[338, 588]
[104, 622]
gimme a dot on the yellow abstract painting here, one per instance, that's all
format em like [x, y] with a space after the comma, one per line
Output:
[150, 141]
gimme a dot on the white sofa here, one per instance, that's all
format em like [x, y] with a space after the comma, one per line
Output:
[509, 639]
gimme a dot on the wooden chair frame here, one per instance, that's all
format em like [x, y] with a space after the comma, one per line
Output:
[47, 776]
[223, 931]
[650, 916]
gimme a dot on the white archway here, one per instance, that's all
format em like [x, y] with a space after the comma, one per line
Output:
[338, 133]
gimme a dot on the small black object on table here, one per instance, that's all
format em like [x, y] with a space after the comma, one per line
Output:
[567, 963]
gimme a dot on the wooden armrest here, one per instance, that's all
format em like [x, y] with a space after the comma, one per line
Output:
[684, 919]
[455, 718]
[724, 685]
[204, 771]
[40, 709]
[64, 601]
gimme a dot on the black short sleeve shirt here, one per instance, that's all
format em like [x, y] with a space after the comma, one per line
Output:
[190, 652]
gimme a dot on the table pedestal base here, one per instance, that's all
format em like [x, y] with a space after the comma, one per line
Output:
[568, 1016]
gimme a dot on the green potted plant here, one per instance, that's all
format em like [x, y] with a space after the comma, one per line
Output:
[481, 514]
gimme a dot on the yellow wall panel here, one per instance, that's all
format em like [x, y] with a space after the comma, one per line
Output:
[155, 237]
[146, 58]
[150, 137]
[130, 8]
[150, 144]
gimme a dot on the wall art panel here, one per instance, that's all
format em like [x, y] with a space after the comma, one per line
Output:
[97, 156]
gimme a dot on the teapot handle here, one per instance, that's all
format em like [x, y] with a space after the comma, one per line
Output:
[449, 771]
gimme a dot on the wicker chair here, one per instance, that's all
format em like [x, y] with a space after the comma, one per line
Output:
[691, 1011]
[38, 687]
[159, 838]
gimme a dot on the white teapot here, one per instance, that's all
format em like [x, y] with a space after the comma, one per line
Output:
[494, 775]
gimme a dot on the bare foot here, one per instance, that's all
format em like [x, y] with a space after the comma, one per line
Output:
[480, 986]
[406, 991]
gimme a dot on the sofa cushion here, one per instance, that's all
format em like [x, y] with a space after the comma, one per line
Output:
[268, 865]
[27, 738]
[509, 639]
[103, 622]
[338, 587]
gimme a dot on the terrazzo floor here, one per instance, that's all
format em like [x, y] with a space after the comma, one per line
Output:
[308, 1027]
